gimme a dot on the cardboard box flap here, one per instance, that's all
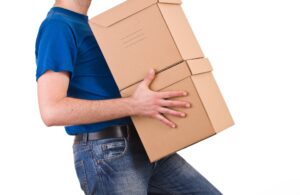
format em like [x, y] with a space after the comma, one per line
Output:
[200, 65]
[213, 101]
[170, 76]
[120, 12]
[125, 10]
[181, 31]
[163, 79]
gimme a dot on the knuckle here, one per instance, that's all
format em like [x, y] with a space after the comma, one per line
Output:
[163, 120]
[157, 101]
[157, 94]
[173, 112]
[182, 104]
[152, 115]
[174, 103]
[173, 93]
[158, 108]
[177, 113]
[170, 112]
[166, 111]
[156, 116]
[170, 103]
[166, 94]
[168, 122]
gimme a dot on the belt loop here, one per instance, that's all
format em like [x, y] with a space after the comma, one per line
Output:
[85, 138]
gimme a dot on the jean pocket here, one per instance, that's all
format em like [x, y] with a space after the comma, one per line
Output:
[82, 177]
[111, 148]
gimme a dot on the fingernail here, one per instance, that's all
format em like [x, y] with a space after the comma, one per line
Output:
[182, 114]
[185, 93]
[188, 105]
[173, 126]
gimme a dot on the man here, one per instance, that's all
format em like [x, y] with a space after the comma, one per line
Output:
[77, 90]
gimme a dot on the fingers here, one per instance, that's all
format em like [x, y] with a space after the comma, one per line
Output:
[174, 103]
[170, 94]
[164, 120]
[171, 112]
[149, 77]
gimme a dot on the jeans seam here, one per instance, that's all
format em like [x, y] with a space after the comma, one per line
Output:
[94, 160]
[84, 182]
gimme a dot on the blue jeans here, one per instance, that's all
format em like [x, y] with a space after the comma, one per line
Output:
[120, 166]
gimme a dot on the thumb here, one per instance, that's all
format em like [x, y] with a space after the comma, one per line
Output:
[149, 78]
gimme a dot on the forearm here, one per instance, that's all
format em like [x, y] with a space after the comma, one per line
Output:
[72, 111]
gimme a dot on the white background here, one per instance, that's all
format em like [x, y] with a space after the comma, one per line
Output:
[254, 48]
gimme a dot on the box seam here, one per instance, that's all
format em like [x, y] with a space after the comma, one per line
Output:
[168, 67]
[91, 21]
[169, 30]
[203, 104]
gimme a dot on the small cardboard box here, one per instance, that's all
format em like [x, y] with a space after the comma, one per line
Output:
[207, 116]
[137, 35]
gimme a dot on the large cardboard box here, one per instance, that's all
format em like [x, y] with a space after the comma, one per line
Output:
[207, 116]
[141, 34]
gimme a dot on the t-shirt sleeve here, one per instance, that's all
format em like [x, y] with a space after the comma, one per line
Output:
[55, 48]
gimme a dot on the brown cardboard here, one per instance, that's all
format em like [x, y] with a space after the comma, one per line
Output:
[138, 35]
[207, 116]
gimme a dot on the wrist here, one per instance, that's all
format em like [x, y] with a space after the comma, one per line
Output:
[131, 105]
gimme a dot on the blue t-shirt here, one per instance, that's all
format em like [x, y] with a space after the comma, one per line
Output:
[65, 42]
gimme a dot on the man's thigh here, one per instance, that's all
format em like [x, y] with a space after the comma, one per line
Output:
[173, 175]
[111, 167]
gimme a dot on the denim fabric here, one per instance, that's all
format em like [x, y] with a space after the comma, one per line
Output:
[120, 166]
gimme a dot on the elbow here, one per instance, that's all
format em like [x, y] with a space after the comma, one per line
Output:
[48, 122]
[49, 117]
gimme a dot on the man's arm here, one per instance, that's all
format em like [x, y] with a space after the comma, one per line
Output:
[59, 110]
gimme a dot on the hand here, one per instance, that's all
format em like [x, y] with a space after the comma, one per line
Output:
[154, 104]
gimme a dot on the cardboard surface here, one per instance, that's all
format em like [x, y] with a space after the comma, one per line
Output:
[207, 116]
[141, 34]
[163, 79]
[181, 31]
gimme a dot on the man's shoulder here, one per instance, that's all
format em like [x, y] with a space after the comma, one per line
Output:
[61, 23]
[55, 23]
[54, 30]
